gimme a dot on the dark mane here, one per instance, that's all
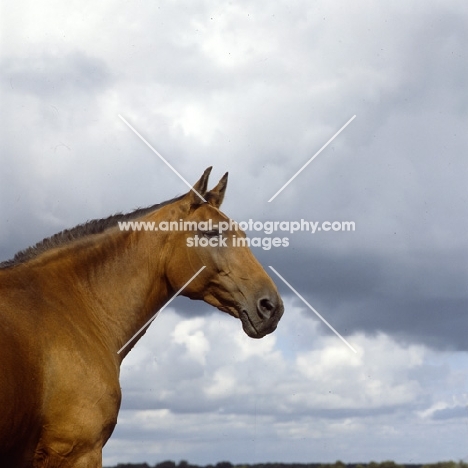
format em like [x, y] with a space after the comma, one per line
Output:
[95, 226]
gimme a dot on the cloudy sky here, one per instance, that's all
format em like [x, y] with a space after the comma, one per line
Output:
[256, 89]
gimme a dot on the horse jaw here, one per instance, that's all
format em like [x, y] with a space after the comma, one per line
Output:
[253, 328]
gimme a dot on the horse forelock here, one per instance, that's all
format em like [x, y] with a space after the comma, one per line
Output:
[81, 231]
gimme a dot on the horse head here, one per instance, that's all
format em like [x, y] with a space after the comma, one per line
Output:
[232, 279]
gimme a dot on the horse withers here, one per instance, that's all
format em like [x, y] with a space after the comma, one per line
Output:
[70, 306]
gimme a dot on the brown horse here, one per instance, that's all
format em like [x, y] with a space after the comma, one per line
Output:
[71, 303]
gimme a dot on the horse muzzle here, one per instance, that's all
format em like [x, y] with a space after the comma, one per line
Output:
[262, 319]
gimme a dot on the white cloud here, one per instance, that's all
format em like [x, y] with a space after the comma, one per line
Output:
[316, 394]
[190, 334]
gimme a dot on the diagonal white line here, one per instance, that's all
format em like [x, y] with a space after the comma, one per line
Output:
[312, 158]
[160, 156]
[313, 310]
[162, 308]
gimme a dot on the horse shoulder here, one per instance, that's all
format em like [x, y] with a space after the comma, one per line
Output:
[20, 379]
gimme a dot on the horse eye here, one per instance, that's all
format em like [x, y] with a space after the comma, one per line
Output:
[211, 233]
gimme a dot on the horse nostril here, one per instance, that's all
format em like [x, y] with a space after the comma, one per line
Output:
[266, 308]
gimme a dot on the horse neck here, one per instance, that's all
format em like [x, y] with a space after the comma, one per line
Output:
[114, 282]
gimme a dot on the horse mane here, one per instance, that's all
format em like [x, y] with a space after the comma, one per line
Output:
[95, 226]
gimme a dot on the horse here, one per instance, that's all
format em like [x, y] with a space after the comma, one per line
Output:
[74, 305]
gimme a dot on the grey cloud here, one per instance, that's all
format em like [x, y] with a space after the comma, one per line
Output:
[419, 296]
[451, 413]
[62, 75]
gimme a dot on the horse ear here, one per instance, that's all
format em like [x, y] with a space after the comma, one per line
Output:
[196, 195]
[216, 196]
